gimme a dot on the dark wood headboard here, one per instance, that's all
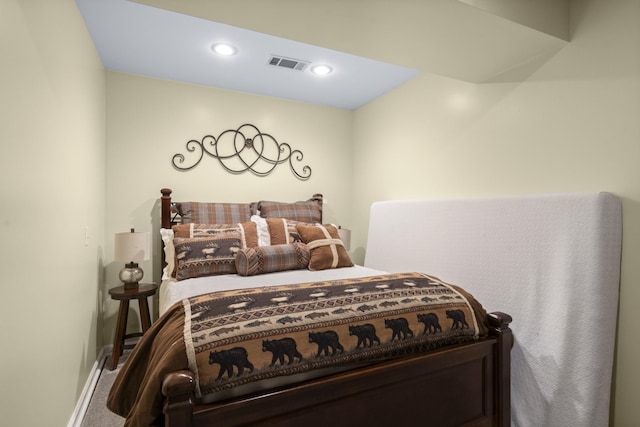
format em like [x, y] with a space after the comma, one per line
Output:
[165, 203]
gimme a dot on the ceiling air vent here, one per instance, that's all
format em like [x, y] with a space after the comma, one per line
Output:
[292, 64]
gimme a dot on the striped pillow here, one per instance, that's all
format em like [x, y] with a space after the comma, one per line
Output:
[269, 259]
[283, 231]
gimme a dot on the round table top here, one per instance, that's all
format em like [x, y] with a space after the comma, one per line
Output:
[143, 290]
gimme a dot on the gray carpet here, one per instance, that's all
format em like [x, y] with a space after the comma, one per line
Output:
[97, 414]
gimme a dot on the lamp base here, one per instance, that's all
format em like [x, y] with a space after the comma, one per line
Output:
[131, 275]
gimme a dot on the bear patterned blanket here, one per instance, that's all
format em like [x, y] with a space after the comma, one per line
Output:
[238, 337]
[234, 340]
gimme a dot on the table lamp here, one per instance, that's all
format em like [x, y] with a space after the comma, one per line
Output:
[130, 248]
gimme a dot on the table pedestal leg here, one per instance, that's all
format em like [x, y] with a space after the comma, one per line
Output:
[145, 318]
[121, 329]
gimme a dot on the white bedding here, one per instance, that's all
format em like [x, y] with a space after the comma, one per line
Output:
[172, 291]
[550, 261]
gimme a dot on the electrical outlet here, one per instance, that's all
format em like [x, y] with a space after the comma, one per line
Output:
[86, 235]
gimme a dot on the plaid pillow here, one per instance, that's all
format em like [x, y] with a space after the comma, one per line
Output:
[213, 213]
[309, 211]
[269, 259]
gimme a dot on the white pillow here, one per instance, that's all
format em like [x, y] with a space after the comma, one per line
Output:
[169, 253]
[264, 239]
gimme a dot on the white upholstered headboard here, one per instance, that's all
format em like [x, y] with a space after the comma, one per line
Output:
[550, 261]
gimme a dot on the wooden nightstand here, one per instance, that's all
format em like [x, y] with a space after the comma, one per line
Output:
[140, 293]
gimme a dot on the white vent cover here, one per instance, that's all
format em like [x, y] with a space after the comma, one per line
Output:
[290, 63]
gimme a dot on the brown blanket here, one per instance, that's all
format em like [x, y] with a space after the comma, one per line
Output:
[136, 392]
[238, 339]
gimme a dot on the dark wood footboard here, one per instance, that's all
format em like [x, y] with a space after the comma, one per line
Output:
[462, 385]
[499, 328]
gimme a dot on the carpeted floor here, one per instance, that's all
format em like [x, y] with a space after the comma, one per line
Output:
[97, 414]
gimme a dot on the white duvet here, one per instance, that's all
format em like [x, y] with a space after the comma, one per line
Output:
[172, 291]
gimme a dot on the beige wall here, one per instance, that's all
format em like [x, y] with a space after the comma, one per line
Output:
[572, 125]
[150, 120]
[51, 187]
[548, 16]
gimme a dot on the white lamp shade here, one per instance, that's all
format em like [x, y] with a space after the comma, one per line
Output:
[132, 246]
[345, 236]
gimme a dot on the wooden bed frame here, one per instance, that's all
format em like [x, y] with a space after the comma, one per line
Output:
[462, 385]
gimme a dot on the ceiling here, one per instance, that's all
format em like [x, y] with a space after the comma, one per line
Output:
[373, 46]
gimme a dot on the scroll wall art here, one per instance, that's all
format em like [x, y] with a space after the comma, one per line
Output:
[245, 149]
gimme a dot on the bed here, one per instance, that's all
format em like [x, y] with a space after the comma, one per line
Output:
[328, 344]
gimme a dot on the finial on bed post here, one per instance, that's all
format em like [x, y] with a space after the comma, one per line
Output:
[165, 202]
[177, 388]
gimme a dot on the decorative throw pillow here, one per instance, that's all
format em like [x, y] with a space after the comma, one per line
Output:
[325, 246]
[192, 229]
[206, 256]
[249, 233]
[247, 230]
[309, 211]
[269, 259]
[284, 231]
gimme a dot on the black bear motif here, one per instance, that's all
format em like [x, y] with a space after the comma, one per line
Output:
[366, 334]
[458, 318]
[326, 340]
[227, 359]
[399, 327]
[280, 348]
[431, 323]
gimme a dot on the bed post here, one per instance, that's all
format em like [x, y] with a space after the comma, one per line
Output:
[177, 388]
[165, 201]
[499, 323]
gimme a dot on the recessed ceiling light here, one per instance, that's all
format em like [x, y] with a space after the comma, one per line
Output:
[321, 70]
[224, 49]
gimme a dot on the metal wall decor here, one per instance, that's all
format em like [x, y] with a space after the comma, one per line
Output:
[241, 150]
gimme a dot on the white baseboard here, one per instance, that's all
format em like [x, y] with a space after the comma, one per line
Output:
[85, 397]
